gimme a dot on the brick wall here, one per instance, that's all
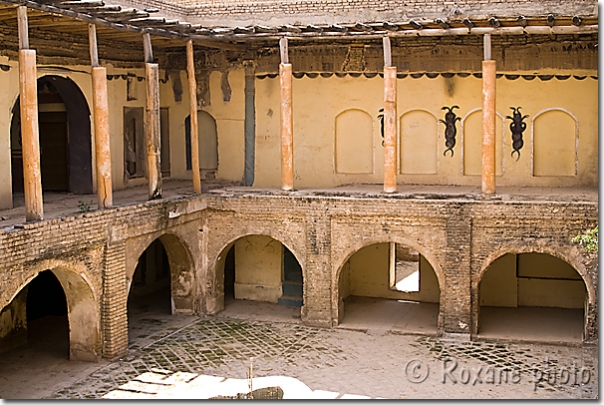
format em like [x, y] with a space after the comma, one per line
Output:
[460, 237]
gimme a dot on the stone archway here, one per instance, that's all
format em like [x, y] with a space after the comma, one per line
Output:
[83, 312]
[533, 294]
[279, 279]
[180, 269]
[367, 273]
[65, 137]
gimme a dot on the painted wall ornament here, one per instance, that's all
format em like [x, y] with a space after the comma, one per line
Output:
[517, 126]
[381, 118]
[451, 130]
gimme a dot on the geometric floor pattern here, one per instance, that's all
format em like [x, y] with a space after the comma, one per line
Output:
[348, 363]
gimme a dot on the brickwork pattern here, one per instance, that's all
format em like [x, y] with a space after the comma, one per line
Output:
[459, 235]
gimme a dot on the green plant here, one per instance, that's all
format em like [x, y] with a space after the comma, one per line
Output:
[588, 240]
[83, 206]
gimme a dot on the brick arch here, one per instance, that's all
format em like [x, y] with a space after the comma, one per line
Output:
[182, 268]
[83, 308]
[569, 254]
[338, 265]
[216, 262]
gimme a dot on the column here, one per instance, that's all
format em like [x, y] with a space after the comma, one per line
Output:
[101, 125]
[390, 121]
[28, 93]
[249, 123]
[193, 113]
[287, 140]
[488, 119]
[152, 125]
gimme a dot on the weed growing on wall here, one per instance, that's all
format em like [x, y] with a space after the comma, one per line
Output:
[588, 241]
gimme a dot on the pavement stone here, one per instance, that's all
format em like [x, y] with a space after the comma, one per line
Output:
[338, 363]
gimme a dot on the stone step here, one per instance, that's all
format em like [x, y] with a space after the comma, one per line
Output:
[291, 301]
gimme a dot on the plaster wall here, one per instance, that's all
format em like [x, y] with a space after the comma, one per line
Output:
[532, 279]
[368, 275]
[562, 121]
[258, 268]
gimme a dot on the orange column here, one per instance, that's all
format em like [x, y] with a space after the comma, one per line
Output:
[30, 139]
[287, 140]
[101, 137]
[101, 125]
[32, 176]
[390, 129]
[152, 131]
[488, 120]
[193, 113]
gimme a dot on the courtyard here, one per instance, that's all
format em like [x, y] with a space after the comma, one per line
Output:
[179, 356]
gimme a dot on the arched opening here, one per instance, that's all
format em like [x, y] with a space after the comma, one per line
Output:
[149, 289]
[161, 285]
[65, 138]
[532, 296]
[208, 143]
[389, 286]
[37, 319]
[260, 269]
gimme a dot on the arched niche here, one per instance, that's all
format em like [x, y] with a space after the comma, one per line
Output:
[419, 142]
[555, 137]
[472, 143]
[208, 141]
[354, 142]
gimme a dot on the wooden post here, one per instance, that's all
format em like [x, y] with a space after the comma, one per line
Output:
[488, 119]
[101, 125]
[194, 124]
[287, 140]
[30, 139]
[390, 121]
[152, 125]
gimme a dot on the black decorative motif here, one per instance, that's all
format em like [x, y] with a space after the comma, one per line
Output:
[517, 127]
[451, 130]
[381, 118]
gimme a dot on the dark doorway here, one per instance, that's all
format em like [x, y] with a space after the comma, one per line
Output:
[292, 281]
[47, 322]
[150, 289]
[150, 298]
[65, 138]
[229, 276]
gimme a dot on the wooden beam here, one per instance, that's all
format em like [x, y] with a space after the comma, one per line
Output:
[147, 48]
[22, 27]
[30, 140]
[283, 49]
[387, 52]
[102, 143]
[152, 131]
[94, 53]
[390, 129]
[193, 114]
[287, 139]
[487, 46]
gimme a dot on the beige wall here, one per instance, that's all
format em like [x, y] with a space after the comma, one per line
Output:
[337, 136]
[532, 279]
[366, 274]
[258, 268]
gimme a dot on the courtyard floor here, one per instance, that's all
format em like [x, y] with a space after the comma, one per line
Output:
[174, 356]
